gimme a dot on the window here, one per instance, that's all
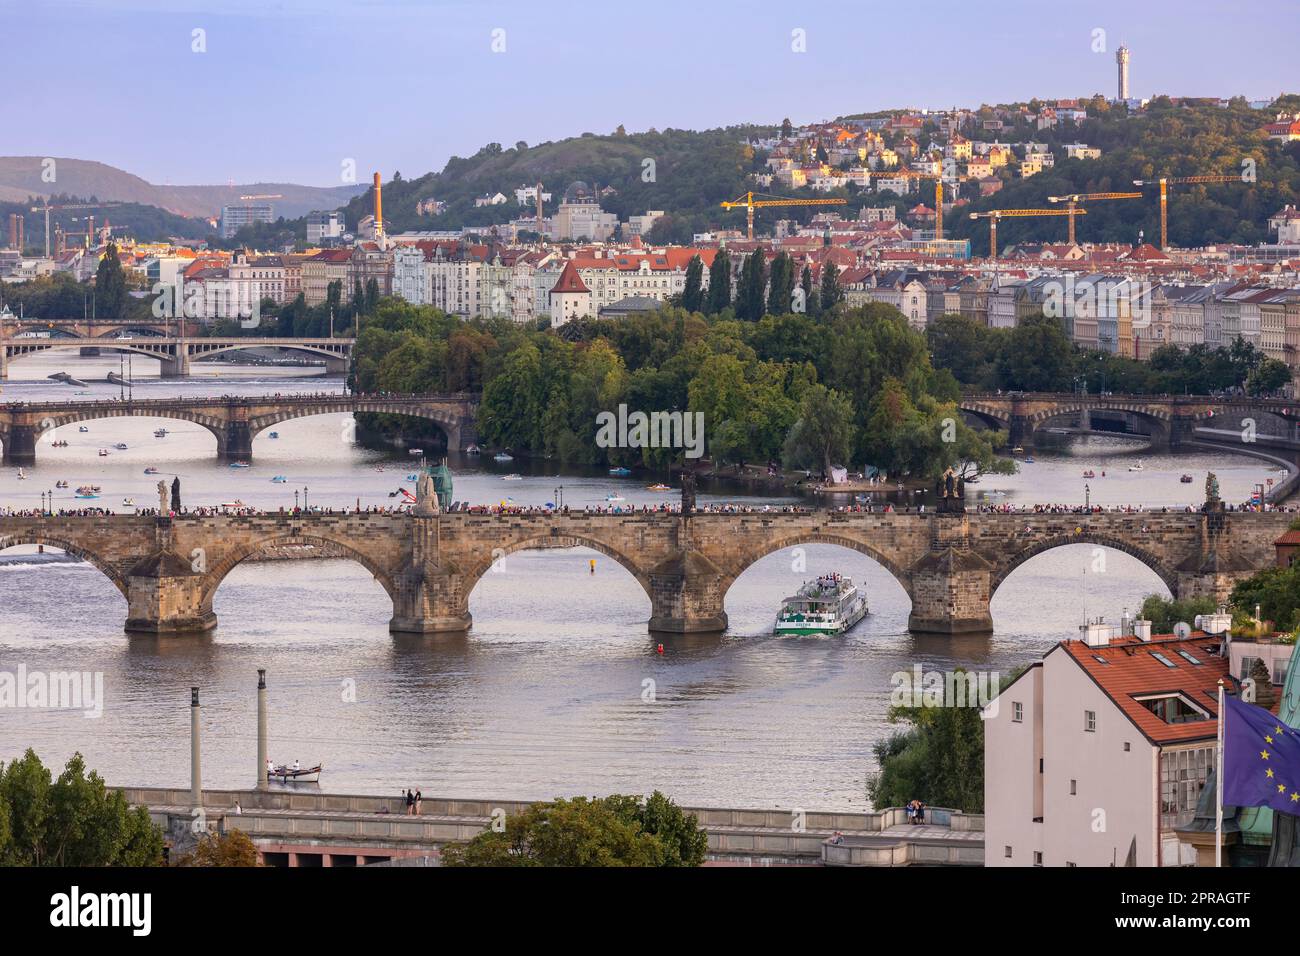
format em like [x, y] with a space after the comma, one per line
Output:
[1162, 659]
[1127, 746]
[1017, 711]
[1007, 852]
[1188, 657]
[1182, 778]
[1090, 721]
[1038, 858]
[1074, 788]
[1174, 708]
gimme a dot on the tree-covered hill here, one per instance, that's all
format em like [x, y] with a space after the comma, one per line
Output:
[687, 175]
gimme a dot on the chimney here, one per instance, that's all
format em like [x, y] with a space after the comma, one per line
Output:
[1142, 629]
[1097, 633]
[379, 210]
[196, 773]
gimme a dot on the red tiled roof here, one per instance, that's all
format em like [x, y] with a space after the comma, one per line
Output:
[1291, 537]
[1128, 669]
[569, 280]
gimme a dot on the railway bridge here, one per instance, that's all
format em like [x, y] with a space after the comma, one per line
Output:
[175, 354]
[169, 569]
[235, 421]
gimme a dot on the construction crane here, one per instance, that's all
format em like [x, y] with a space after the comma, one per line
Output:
[749, 203]
[1075, 198]
[1164, 196]
[994, 215]
[66, 206]
[938, 191]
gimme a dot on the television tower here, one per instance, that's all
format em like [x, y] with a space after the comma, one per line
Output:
[1121, 58]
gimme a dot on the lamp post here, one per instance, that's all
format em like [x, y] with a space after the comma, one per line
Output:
[295, 499]
[1087, 496]
[304, 497]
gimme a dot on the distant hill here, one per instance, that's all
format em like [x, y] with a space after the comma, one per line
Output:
[20, 177]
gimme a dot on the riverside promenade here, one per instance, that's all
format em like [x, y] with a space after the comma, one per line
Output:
[312, 829]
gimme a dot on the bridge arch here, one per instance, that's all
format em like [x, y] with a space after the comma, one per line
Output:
[216, 574]
[53, 541]
[199, 350]
[1147, 557]
[539, 542]
[900, 574]
[448, 422]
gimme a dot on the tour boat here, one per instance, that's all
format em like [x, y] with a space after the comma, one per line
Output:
[160, 433]
[512, 477]
[151, 470]
[658, 487]
[1185, 479]
[620, 472]
[289, 775]
[1137, 467]
[829, 605]
[502, 456]
[239, 464]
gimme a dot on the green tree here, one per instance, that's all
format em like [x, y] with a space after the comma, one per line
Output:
[1164, 613]
[1277, 593]
[823, 434]
[610, 831]
[1036, 356]
[110, 286]
[749, 293]
[693, 293]
[830, 287]
[230, 849]
[812, 302]
[72, 821]
[780, 284]
[719, 283]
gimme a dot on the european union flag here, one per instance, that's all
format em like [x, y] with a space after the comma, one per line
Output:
[1261, 759]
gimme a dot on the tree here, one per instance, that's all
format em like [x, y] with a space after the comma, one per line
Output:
[693, 293]
[1276, 591]
[72, 821]
[110, 285]
[1035, 356]
[780, 284]
[1267, 377]
[830, 289]
[823, 434]
[719, 283]
[1164, 614]
[749, 293]
[787, 128]
[811, 301]
[231, 849]
[611, 831]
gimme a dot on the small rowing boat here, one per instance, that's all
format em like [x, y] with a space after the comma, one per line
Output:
[290, 775]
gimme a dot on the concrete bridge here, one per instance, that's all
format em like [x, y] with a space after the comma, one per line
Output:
[1170, 420]
[175, 354]
[86, 328]
[169, 569]
[234, 421]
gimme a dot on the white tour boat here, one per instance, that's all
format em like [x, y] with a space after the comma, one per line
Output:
[829, 605]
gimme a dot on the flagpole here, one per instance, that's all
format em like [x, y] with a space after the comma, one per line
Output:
[1218, 786]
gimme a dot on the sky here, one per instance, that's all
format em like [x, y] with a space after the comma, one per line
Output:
[288, 90]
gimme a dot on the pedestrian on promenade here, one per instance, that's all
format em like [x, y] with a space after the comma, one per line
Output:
[410, 803]
[419, 801]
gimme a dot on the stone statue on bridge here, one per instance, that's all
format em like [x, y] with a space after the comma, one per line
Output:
[426, 495]
[162, 498]
[1212, 500]
[176, 494]
[951, 492]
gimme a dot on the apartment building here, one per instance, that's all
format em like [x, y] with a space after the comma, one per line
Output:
[318, 271]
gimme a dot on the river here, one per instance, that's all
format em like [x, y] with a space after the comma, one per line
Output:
[548, 694]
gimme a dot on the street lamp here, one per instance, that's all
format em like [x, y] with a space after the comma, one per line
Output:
[295, 499]
[304, 497]
[1087, 496]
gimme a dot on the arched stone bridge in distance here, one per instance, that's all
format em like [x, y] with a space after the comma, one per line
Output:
[169, 569]
[235, 421]
[1173, 420]
[176, 354]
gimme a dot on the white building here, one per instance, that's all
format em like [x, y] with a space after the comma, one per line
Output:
[1094, 755]
[569, 297]
[324, 226]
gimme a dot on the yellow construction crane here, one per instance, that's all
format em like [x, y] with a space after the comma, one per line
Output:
[1164, 195]
[996, 214]
[1075, 198]
[65, 206]
[938, 191]
[749, 203]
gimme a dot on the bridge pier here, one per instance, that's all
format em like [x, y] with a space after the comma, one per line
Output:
[20, 445]
[429, 601]
[165, 596]
[176, 365]
[1021, 431]
[237, 444]
[686, 596]
[952, 585]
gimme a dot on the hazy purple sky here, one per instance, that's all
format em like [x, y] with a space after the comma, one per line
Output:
[288, 89]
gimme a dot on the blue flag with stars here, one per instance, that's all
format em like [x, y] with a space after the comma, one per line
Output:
[1261, 759]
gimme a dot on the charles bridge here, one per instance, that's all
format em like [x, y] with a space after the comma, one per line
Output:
[170, 568]
[235, 421]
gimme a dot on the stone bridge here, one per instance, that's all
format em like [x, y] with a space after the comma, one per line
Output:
[1171, 420]
[175, 354]
[234, 421]
[169, 569]
[85, 328]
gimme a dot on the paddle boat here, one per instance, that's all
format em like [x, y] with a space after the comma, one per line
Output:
[275, 435]
[151, 470]
[620, 472]
[160, 433]
[279, 479]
